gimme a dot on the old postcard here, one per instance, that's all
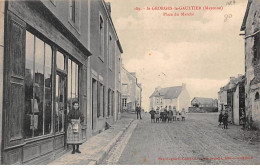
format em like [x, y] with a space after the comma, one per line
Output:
[130, 82]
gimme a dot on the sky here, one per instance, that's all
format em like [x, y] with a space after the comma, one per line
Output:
[203, 51]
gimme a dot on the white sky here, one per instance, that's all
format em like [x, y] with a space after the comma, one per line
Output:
[202, 51]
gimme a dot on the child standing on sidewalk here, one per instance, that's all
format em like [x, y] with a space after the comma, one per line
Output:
[74, 131]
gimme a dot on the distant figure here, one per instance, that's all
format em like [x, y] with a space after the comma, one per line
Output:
[220, 118]
[170, 114]
[183, 114]
[243, 119]
[138, 111]
[152, 112]
[157, 116]
[174, 114]
[225, 119]
[178, 116]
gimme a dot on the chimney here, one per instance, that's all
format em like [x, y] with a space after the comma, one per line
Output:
[108, 7]
[158, 88]
[232, 80]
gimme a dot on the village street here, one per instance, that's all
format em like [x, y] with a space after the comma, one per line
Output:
[198, 140]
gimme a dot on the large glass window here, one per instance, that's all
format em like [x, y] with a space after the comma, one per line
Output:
[73, 76]
[37, 119]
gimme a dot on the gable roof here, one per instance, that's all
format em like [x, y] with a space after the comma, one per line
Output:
[203, 100]
[243, 26]
[168, 93]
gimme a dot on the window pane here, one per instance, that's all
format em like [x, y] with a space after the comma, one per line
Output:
[38, 87]
[29, 60]
[73, 81]
[57, 105]
[60, 60]
[48, 90]
[76, 80]
[69, 102]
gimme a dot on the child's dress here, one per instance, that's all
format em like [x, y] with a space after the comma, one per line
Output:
[74, 131]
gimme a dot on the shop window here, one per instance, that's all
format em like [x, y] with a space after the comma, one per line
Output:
[73, 80]
[60, 60]
[38, 90]
[257, 96]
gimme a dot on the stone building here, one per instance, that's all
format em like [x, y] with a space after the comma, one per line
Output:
[105, 64]
[203, 102]
[231, 96]
[45, 65]
[131, 90]
[251, 27]
[176, 96]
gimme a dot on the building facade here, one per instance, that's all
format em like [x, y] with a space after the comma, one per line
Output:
[105, 64]
[232, 97]
[176, 96]
[251, 27]
[131, 90]
[203, 102]
[45, 66]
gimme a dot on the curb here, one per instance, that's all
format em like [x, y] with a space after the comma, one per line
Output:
[108, 147]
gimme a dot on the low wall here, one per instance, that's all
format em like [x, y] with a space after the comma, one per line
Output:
[203, 109]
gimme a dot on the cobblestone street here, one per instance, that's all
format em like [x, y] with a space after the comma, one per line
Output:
[198, 140]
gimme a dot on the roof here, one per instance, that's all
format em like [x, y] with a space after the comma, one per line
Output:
[203, 100]
[168, 93]
[243, 26]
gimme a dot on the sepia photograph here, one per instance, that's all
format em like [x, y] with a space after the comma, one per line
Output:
[129, 82]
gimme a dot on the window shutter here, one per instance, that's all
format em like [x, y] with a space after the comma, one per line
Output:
[14, 81]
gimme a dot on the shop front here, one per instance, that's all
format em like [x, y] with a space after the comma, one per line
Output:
[45, 70]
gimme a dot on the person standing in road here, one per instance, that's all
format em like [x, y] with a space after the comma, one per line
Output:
[138, 111]
[174, 114]
[183, 114]
[225, 120]
[152, 112]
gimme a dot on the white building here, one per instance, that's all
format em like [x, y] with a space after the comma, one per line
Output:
[176, 96]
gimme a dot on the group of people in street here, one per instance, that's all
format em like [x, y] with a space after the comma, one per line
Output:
[223, 118]
[167, 115]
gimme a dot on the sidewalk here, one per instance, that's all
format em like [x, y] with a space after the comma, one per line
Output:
[95, 149]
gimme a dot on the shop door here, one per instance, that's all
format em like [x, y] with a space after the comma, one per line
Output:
[60, 104]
